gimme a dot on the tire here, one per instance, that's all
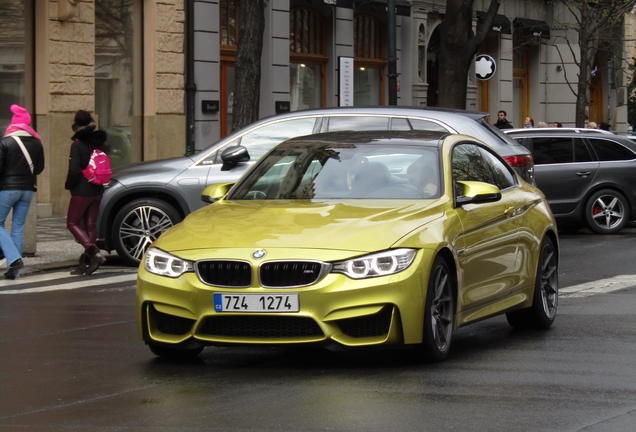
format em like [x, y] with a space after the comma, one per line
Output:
[138, 224]
[179, 354]
[439, 312]
[546, 293]
[607, 212]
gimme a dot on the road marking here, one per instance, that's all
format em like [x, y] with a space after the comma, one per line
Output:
[602, 286]
[66, 281]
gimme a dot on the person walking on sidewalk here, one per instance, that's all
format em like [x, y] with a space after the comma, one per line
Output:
[21, 161]
[85, 196]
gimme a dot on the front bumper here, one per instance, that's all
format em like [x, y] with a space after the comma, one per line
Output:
[335, 311]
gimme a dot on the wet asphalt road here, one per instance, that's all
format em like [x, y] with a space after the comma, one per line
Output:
[70, 360]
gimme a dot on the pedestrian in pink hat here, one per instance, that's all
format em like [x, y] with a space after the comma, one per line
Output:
[21, 161]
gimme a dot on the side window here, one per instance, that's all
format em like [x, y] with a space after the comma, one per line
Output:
[607, 150]
[361, 123]
[419, 124]
[468, 164]
[260, 141]
[547, 151]
[400, 124]
[581, 152]
[500, 171]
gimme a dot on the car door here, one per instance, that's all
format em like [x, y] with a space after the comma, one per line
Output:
[563, 169]
[489, 239]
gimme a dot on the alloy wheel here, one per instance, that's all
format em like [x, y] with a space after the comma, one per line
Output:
[141, 227]
[442, 309]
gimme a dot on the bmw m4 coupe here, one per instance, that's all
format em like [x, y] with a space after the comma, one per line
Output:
[353, 239]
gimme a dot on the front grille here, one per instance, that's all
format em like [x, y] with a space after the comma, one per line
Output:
[170, 324]
[266, 327]
[278, 274]
[367, 326]
[225, 273]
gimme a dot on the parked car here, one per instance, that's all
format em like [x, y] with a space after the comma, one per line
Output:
[587, 175]
[145, 199]
[353, 239]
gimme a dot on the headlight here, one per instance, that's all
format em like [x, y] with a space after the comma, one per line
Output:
[163, 264]
[379, 264]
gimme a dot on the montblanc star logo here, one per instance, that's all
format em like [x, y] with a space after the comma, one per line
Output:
[485, 67]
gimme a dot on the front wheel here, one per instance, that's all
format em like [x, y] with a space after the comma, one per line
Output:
[607, 212]
[138, 224]
[438, 312]
[546, 292]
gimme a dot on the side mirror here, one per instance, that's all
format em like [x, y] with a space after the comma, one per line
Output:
[232, 156]
[215, 192]
[477, 192]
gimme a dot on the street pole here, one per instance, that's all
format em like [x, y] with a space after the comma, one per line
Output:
[392, 53]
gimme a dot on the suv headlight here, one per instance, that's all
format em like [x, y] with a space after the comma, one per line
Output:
[163, 264]
[378, 264]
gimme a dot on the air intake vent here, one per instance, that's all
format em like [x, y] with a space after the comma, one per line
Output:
[280, 274]
[369, 325]
[266, 327]
[237, 274]
[170, 324]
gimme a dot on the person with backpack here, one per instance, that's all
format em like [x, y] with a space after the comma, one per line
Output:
[88, 147]
[21, 161]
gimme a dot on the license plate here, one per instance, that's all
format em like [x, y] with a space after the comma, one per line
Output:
[256, 302]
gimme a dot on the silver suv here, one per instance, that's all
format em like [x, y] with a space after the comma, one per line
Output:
[147, 198]
[587, 175]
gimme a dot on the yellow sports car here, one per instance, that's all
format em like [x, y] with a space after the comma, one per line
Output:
[353, 239]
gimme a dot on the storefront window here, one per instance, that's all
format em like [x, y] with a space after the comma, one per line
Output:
[305, 86]
[118, 83]
[307, 59]
[367, 85]
[369, 49]
[16, 58]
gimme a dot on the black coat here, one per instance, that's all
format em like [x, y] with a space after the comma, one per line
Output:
[15, 173]
[503, 124]
[83, 144]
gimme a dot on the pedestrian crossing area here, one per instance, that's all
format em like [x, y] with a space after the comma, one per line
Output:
[62, 280]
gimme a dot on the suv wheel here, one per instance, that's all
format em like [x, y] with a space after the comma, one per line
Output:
[138, 224]
[606, 212]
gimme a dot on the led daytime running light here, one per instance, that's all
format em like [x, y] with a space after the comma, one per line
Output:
[162, 263]
[380, 264]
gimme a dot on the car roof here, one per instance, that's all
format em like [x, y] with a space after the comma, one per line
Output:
[386, 110]
[580, 132]
[368, 137]
[553, 131]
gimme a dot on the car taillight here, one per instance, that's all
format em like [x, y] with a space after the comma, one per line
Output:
[523, 161]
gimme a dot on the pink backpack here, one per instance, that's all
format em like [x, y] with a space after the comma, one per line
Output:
[98, 169]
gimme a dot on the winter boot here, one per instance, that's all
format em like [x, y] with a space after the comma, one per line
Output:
[95, 258]
[82, 265]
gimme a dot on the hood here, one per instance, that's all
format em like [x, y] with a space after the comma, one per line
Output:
[359, 225]
[160, 171]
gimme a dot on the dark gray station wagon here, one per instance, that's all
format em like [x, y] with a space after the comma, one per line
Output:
[147, 198]
[587, 175]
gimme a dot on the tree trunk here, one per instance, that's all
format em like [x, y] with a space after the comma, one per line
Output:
[248, 63]
[458, 46]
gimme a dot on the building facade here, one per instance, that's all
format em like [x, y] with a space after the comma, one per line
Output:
[130, 62]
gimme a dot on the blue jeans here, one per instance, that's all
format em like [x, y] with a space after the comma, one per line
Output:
[20, 201]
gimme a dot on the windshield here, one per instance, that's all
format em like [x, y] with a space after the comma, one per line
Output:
[352, 171]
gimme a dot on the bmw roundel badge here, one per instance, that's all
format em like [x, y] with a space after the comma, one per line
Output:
[259, 253]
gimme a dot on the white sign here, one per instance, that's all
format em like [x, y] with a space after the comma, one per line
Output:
[485, 67]
[345, 76]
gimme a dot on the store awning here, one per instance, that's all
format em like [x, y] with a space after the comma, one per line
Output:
[402, 7]
[532, 28]
[501, 23]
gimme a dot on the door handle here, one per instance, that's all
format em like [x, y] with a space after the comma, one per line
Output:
[583, 173]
